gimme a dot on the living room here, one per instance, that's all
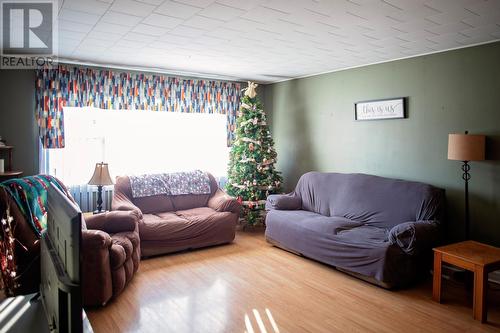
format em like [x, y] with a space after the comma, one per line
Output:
[252, 166]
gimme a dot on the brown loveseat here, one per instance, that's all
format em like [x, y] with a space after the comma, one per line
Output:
[171, 223]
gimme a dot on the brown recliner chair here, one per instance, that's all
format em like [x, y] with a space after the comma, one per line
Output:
[110, 253]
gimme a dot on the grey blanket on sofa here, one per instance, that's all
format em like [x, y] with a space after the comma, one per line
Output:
[177, 183]
[378, 227]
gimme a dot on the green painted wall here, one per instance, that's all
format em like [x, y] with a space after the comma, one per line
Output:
[312, 122]
[17, 118]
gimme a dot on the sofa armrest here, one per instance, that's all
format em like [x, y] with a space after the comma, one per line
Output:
[123, 202]
[95, 239]
[96, 269]
[289, 201]
[222, 202]
[113, 222]
[413, 237]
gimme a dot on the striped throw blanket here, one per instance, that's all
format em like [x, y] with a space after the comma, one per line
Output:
[30, 195]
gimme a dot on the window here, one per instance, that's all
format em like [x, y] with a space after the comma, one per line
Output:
[138, 142]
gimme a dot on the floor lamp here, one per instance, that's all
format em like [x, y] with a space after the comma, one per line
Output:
[100, 178]
[466, 147]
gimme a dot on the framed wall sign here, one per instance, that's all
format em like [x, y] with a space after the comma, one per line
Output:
[391, 108]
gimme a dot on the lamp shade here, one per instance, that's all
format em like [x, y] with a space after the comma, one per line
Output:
[466, 147]
[101, 175]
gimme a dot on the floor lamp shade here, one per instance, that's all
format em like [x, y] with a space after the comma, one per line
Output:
[100, 178]
[466, 147]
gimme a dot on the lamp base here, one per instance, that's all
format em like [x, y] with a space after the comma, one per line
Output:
[99, 211]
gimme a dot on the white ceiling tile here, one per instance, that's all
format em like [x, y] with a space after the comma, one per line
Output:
[475, 40]
[69, 42]
[221, 12]
[91, 42]
[242, 4]
[482, 31]
[451, 16]
[483, 19]
[496, 34]
[448, 5]
[110, 37]
[121, 19]
[83, 52]
[74, 26]
[111, 28]
[263, 15]
[149, 30]
[78, 16]
[197, 3]
[133, 36]
[241, 24]
[185, 31]
[177, 9]
[132, 7]
[223, 32]
[151, 2]
[484, 7]
[88, 6]
[419, 24]
[416, 35]
[66, 34]
[201, 22]
[285, 6]
[163, 21]
[403, 4]
[448, 28]
[130, 44]
[174, 39]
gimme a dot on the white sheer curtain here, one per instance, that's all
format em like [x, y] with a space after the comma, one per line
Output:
[137, 142]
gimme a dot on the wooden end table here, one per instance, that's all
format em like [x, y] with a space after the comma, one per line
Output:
[475, 257]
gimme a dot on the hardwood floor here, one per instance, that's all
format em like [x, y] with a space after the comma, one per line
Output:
[251, 286]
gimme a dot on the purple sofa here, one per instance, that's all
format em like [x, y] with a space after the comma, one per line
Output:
[379, 229]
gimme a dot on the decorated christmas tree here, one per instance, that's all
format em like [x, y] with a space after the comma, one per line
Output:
[252, 175]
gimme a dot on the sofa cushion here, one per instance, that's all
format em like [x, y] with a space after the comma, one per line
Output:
[317, 222]
[197, 215]
[361, 249]
[154, 204]
[160, 226]
[185, 226]
[365, 234]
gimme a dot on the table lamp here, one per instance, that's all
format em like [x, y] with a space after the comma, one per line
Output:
[466, 147]
[100, 178]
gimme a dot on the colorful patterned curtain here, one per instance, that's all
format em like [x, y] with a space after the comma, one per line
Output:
[105, 89]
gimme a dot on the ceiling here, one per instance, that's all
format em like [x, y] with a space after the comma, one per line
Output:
[267, 40]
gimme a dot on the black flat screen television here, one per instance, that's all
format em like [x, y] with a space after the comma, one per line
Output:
[60, 264]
